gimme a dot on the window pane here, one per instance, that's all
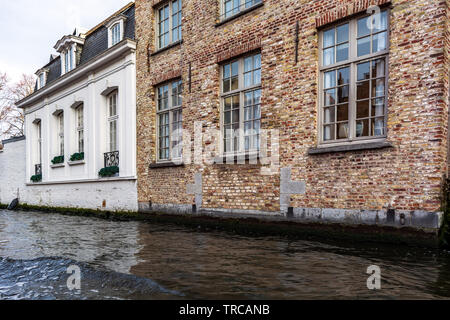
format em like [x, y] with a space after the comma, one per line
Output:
[257, 77]
[228, 103]
[378, 89]
[257, 61]
[234, 83]
[378, 127]
[248, 64]
[342, 113]
[329, 133]
[342, 33]
[226, 85]
[248, 79]
[329, 115]
[378, 107]
[342, 129]
[328, 38]
[343, 94]
[363, 90]
[379, 42]
[226, 71]
[328, 56]
[363, 27]
[235, 68]
[342, 52]
[364, 71]
[330, 79]
[362, 109]
[227, 118]
[378, 68]
[362, 128]
[343, 76]
[380, 22]
[330, 97]
[363, 46]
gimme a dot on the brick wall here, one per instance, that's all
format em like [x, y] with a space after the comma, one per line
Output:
[407, 176]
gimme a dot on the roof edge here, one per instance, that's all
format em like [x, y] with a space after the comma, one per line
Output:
[101, 24]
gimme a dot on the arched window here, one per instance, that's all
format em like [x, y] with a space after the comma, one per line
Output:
[115, 34]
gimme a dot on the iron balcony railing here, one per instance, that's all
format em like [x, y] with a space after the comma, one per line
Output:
[38, 169]
[112, 159]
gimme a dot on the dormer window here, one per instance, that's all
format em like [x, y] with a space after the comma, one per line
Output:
[42, 78]
[68, 47]
[115, 34]
[116, 27]
[69, 64]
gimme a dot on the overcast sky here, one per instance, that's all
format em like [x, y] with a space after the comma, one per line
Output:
[30, 28]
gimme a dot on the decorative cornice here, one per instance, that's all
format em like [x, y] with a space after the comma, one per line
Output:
[347, 10]
[67, 40]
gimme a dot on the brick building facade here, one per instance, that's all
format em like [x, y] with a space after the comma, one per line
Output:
[361, 109]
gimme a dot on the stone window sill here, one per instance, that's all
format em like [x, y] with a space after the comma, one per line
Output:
[170, 46]
[350, 147]
[170, 164]
[56, 166]
[76, 163]
[240, 14]
[238, 159]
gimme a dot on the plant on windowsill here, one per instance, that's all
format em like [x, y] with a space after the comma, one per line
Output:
[77, 157]
[36, 178]
[58, 160]
[108, 171]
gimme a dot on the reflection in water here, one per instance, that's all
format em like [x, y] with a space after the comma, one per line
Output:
[151, 261]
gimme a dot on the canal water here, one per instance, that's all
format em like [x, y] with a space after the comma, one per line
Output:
[135, 260]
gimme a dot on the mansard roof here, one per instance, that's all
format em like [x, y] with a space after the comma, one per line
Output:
[95, 43]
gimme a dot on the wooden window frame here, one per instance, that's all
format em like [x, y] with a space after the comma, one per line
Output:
[352, 62]
[171, 28]
[171, 109]
[242, 89]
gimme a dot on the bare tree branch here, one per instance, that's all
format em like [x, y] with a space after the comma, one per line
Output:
[11, 118]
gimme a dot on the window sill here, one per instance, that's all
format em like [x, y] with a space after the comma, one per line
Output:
[76, 163]
[170, 46]
[350, 147]
[165, 165]
[56, 166]
[240, 14]
[238, 159]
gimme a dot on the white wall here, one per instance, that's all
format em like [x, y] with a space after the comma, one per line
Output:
[105, 195]
[115, 195]
[120, 74]
[12, 171]
[79, 186]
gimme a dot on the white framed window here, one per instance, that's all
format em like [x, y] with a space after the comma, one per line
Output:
[230, 8]
[353, 79]
[60, 137]
[39, 142]
[69, 59]
[170, 121]
[113, 117]
[80, 127]
[169, 17]
[115, 34]
[41, 83]
[241, 104]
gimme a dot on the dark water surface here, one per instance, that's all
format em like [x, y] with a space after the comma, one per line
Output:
[134, 260]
